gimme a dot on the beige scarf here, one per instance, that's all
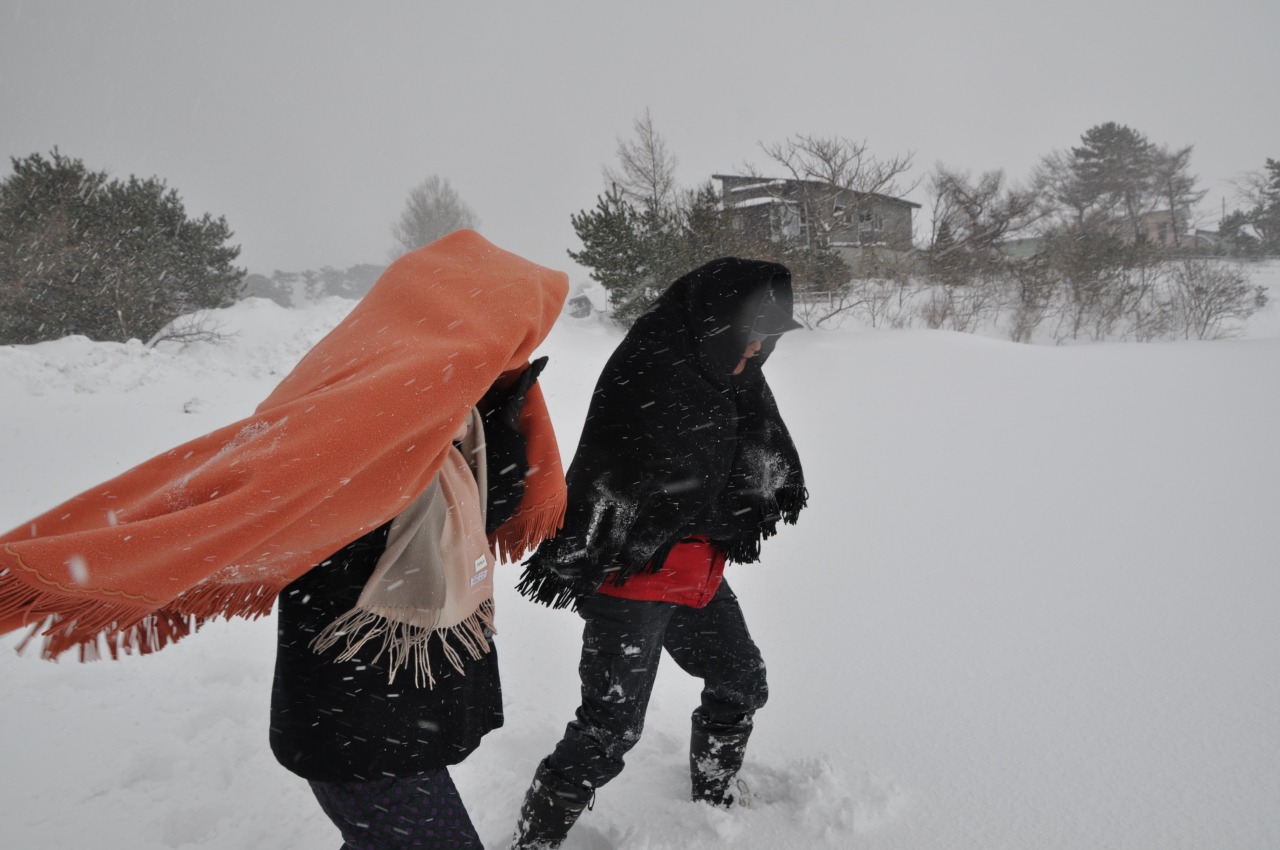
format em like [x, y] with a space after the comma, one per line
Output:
[435, 578]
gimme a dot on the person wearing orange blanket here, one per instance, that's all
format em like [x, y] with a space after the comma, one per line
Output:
[356, 439]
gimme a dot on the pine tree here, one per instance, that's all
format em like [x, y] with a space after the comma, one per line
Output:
[1265, 217]
[110, 259]
[612, 250]
[1115, 170]
[1255, 230]
[636, 252]
[708, 232]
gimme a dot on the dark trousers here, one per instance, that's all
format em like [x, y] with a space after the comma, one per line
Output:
[622, 642]
[421, 811]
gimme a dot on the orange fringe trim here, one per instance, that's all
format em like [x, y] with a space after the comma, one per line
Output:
[528, 527]
[61, 622]
[110, 629]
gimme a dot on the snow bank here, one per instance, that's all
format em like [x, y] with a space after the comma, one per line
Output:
[1032, 605]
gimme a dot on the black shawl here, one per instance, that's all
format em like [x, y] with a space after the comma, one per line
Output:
[674, 444]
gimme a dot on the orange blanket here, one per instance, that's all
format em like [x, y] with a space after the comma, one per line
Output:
[218, 525]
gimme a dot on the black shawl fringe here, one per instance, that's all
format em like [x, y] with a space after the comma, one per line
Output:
[546, 588]
[792, 500]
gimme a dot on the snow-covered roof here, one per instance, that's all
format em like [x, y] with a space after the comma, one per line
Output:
[763, 200]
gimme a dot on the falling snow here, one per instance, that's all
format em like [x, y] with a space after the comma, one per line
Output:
[1032, 604]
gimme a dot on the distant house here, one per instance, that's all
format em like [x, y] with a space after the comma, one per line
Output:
[1205, 241]
[1172, 229]
[1023, 248]
[1158, 228]
[779, 208]
[586, 299]
[1165, 228]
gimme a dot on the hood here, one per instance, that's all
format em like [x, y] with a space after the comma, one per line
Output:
[722, 303]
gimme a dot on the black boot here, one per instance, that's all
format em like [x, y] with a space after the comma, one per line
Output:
[715, 756]
[551, 807]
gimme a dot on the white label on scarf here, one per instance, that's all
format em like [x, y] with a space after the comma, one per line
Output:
[481, 563]
[478, 577]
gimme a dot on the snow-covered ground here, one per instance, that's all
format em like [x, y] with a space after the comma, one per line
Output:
[1033, 605]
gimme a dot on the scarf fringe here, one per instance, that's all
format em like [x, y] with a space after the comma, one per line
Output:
[405, 644]
[528, 527]
[101, 629]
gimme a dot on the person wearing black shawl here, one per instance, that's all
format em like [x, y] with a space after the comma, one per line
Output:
[684, 462]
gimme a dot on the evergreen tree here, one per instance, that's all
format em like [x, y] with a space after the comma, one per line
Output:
[635, 253]
[1176, 187]
[110, 259]
[1114, 167]
[644, 233]
[1115, 178]
[612, 247]
[1267, 217]
[1264, 217]
[1234, 230]
[708, 234]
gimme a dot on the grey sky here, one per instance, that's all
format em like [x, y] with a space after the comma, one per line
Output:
[306, 123]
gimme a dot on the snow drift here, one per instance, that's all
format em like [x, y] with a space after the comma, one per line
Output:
[1032, 605]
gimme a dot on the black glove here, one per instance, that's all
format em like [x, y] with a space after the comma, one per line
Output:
[505, 447]
[499, 406]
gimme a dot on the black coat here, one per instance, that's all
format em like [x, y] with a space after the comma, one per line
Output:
[675, 445]
[337, 721]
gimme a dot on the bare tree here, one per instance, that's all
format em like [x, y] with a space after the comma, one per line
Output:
[646, 172]
[1062, 196]
[841, 162]
[831, 172]
[432, 210]
[194, 327]
[824, 197]
[982, 212]
[978, 280]
[1036, 298]
[1208, 299]
[972, 219]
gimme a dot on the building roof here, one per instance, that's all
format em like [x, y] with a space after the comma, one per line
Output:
[763, 183]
